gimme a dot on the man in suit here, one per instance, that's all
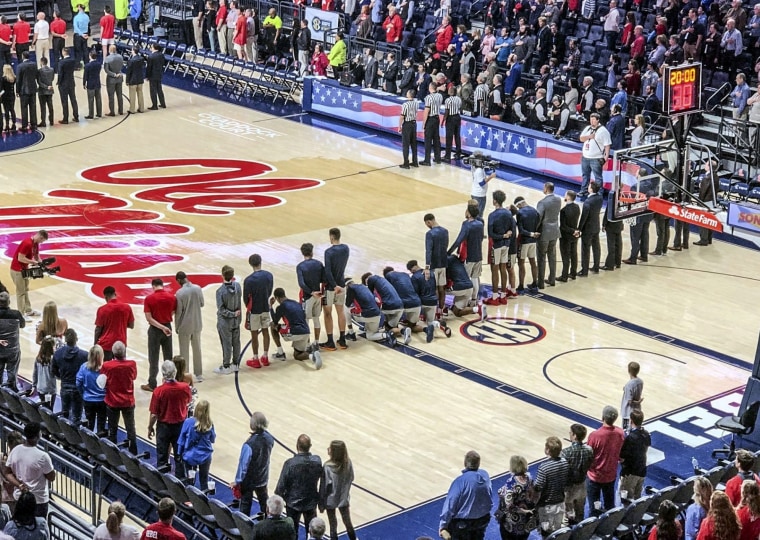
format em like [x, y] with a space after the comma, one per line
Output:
[113, 66]
[569, 234]
[26, 88]
[640, 239]
[407, 77]
[45, 83]
[370, 69]
[154, 74]
[548, 208]
[614, 231]
[390, 73]
[589, 227]
[91, 83]
[135, 81]
[708, 187]
[66, 87]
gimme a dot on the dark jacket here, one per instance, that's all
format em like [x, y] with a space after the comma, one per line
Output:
[135, 70]
[370, 73]
[304, 39]
[407, 81]
[389, 77]
[66, 363]
[568, 220]
[155, 70]
[66, 69]
[274, 528]
[10, 322]
[91, 77]
[26, 78]
[612, 227]
[589, 223]
[299, 481]
[45, 79]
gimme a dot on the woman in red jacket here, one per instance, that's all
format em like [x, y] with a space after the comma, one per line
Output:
[721, 522]
[749, 510]
[667, 527]
[443, 35]
[319, 61]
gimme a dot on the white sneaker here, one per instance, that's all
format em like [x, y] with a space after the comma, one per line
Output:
[223, 370]
[235, 367]
[199, 378]
[316, 359]
[407, 333]
[483, 313]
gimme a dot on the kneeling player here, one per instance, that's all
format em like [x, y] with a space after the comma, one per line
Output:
[390, 304]
[363, 306]
[289, 322]
[426, 291]
[461, 287]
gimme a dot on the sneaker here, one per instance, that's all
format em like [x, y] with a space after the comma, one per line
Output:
[264, 361]
[146, 387]
[429, 332]
[199, 378]
[328, 345]
[351, 336]
[503, 299]
[32, 313]
[253, 363]
[447, 331]
[483, 314]
[280, 356]
[316, 359]
[511, 294]
[520, 290]
[407, 333]
[235, 367]
[223, 370]
[445, 312]
[391, 338]
[342, 343]
[492, 301]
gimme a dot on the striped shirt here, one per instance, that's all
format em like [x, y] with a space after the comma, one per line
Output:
[481, 97]
[453, 105]
[409, 110]
[579, 457]
[434, 102]
[551, 480]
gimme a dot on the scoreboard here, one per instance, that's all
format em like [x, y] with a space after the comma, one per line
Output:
[682, 89]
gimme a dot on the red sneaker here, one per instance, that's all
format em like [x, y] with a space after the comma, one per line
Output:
[492, 302]
[264, 361]
[512, 294]
[253, 363]
[503, 300]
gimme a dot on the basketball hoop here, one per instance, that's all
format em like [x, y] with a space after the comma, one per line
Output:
[631, 197]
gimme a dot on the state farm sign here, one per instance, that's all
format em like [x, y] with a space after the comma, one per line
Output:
[687, 214]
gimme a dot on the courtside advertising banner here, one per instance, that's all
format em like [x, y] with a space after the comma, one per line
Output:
[744, 217]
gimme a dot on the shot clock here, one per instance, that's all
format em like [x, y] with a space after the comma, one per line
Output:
[682, 89]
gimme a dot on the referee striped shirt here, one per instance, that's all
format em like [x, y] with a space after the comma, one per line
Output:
[481, 97]
[409, 110]
[453, 105]
[434, 102]
[551, 480]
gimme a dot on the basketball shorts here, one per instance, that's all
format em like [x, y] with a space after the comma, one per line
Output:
[259, 321]
[462, 298]
[500, 255]
[439, 274]
[312, 307]
[331, 298]
[412, 315]
[527, 251]
[393, 316]
[300, 342]
[474, 269]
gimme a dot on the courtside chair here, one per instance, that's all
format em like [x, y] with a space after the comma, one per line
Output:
[131, 464]
[243, 523]
[561, 534]
[13, 400]
[630, 525]
[225, 520]
[585, 529]
[155, 480]
[52, 426]
[608, 523]
[203, 513]
[92, 443]
[73, 437]
[31, 409]
[113, 457]
[736, 425]
[176, 489]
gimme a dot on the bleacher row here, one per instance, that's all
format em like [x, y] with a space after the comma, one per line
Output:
[204, 515]
[276, 78]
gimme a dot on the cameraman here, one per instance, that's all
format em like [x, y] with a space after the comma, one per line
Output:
[27, 253]
[480, 181]
[596, 152]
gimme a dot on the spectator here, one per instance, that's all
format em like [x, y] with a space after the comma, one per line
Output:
[11, 320]
[467, 508]
[319, 61]
[253, 468]
[43, 382]
[467, 62]
[168, 408]
[595, 154]
[721, 522]
[465, 93]
[696, 512]
[732, 46]
[93, 394]
[633, 456]
[408, 75]
[514, 74]
[299, 483]
[27, 523]
[737, 13]
[749, 510]
[335, 488]
[162, 529]
[740, 95]
[112, 321]
[572, 95]
[515, 514]
[712, 46]
[638, 45]
[66, 363]
[113, 528]
[228, 318]
[745, 460]
[51, 325]
[637, 135]
[621, 97]
[120, 375]
[587, 97]
[612, 26]
[503, 47]
[159, 309]
[551, 480]
[693, 32]
[573, 63]
[632, 392]
[606, 442]
[363, 24]
[317, 529]
[444, 34]
[667, 527]
[389, 73]
[393, 25]
[460, 38]
[29, 470]
[616, 128]
[632, 79]
[276, 526]
[196, 440]
[579, 457]
[189, 322]
[337, 55]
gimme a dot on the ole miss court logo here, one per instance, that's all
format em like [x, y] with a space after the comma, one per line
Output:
[100, 239]
[503, 331]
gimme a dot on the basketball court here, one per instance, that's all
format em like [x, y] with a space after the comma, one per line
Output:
[206, 183]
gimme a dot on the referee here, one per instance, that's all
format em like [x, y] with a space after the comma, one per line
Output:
[481, 96]
[432, 121]
[407, 126]
[453, 121]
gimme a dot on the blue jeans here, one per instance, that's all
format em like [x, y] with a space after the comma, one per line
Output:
[212, 39]
[588, 166]
[71, 403]
[481, 205]
[595, 491]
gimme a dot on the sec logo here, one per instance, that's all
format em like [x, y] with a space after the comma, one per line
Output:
[503, 331]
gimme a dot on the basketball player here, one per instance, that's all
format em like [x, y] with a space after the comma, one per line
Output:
[311, 277]
[391, 304]
[403, 285]
[257, 288]
[501, 229]
[425, 289]
[469, 245]
[363, 305]
[436, 240]
[336, 259]
[289, 322]
[461, 287]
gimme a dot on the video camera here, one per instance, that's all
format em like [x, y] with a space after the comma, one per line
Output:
[481, 161]
[39, 271]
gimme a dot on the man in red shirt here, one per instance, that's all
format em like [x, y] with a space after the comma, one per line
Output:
[394, 26]
[27, 253]
[168, 407]
[606, 443]
[159, 310]
[119, 381]
[21, 32]
[745, 460]
[240, 36]
[58, 33]
[638, 47]
[5, 42]
[111, 322]
[162, 529]
[107, 24]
